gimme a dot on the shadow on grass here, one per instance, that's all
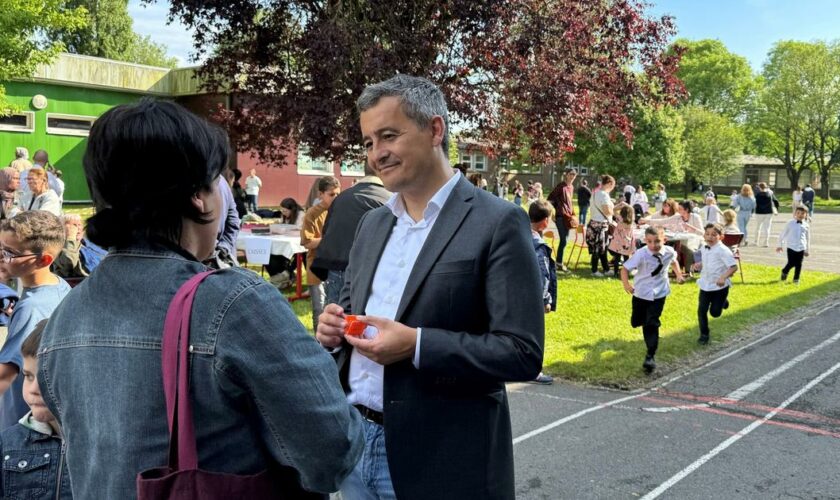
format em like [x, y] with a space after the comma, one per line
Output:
[679, 349]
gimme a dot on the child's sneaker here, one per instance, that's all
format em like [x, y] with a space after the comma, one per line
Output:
[610, 273]
[784, 276]
[543, 379]
[598, 274]
[703, 340]
[796, 282]
[650, 364]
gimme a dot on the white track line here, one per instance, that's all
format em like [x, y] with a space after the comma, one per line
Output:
[662, 488]
[607, 404]
[747, 389]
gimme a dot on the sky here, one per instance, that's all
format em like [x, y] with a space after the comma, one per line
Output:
[747, 27]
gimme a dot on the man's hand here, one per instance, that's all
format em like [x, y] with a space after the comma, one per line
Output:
[393, 342]
[330, 331]
[629, 288]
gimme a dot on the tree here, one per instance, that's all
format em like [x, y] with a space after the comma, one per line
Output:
[713, 145]
[23, 45]
[716, 79]
[779, 126]
[822, 108]
[109, 33]
[657, 151]
[545, 68]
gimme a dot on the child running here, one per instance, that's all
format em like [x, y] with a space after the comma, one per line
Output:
[796, 237]
[717, 265]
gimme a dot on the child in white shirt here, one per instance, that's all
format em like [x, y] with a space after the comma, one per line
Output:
[796, 236]
[650, 287]
[717, 265]
[711, 212]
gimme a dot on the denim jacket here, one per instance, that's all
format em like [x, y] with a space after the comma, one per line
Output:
[264, 393]
[33, 463]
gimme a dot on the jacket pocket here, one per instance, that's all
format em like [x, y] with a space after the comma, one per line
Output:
[26, 474]
[454, 267]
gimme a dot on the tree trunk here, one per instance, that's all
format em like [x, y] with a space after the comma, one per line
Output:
[825, 184]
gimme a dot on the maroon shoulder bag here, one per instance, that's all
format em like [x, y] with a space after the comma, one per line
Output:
[182, 479]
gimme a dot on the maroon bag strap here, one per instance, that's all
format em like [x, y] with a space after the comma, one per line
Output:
[183, 454]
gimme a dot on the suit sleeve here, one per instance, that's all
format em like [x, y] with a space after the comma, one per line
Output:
[512, 349]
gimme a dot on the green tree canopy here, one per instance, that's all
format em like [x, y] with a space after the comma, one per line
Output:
[657, 151]
[109, 33]
[713, 144]
[23, 45]
[715, 78]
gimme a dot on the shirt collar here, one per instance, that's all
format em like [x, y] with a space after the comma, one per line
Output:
[370, 179]
[397, 205]
[34, 425]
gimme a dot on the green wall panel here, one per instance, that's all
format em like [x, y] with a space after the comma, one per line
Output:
[65, 151]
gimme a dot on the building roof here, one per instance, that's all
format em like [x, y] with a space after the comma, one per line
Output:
[761, 161]
[95, 72]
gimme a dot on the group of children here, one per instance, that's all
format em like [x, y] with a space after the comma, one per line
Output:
[651, 264]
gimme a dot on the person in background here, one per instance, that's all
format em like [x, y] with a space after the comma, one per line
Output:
[808, 196]
[710, 193]
[475, 180]
[640, 199]
[535, 192]
[629, 191]
[264, 394]
[310, 238]
[9, 192]
[686, 221]
[40, 196]
[21, 162]
[659, 197]
[461, 167]
[252, 189]
[668, 208]
[540, 213]
[730, 225]
[518, 191]
[79, 256]
[623, 242]
[733, 198]
[343, 218]
[564, 212]
[796, 198]
[42, 159]
[796, 239]
[291, 213]
[583, 197]
[483, 184]
[29, 243]
[745, 205]
[225, 254]
[597, 231]
[239, 196]
[710, 212]
[766, 206]
[36, 434]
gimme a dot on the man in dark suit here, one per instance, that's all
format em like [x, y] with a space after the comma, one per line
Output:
[445, 275]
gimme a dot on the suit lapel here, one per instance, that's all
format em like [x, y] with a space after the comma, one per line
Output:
[451, 216]
[377, 239]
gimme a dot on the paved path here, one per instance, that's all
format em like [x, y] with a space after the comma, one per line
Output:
[761, 420]
[825, 243]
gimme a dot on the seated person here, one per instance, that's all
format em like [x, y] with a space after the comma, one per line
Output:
[290, 213]
[40, 196]
[79, 256]
[669, 209]
[686, 221]
[730, 226]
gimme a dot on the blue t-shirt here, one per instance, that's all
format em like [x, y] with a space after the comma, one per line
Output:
[34, 305]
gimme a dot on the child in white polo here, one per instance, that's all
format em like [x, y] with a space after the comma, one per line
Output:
[796, 237]
[717, 265]
[650, 287]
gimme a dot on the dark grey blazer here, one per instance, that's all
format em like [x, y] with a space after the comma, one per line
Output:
[475, 291]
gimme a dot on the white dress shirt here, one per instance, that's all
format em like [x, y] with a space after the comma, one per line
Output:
[712, 214]
[796, 236]
[649, 287]
[395, 266]
[716, 261]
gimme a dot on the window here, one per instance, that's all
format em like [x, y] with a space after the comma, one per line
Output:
[312, 166]
[782, 180]
[473, 161]
[351, 168]
[69, 124]
[18, 122]
[751, 176]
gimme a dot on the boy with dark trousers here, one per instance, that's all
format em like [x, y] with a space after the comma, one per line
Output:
[796, 237]
[717, 265]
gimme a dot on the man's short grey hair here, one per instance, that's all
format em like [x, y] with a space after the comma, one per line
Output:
[21, 152]
[421, 100]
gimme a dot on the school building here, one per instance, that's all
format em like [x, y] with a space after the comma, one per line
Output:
[60, 103]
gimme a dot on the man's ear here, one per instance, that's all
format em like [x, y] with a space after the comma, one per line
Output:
[438, 130]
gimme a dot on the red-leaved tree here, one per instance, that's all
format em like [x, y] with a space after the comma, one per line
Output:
[515, 72]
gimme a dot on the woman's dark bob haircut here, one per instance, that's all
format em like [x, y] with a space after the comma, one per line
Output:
[143, 164]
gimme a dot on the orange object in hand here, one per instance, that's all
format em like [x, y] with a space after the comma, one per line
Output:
[354, 327]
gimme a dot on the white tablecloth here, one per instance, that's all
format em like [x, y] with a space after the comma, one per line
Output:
[286, 245]
[690, 240]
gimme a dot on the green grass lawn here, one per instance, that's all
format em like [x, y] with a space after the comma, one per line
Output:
[589, 338]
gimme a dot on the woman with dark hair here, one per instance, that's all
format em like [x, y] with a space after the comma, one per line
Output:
[239, 195]
[264, 394]
[291, 212]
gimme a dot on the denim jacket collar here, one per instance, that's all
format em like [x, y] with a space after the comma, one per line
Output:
[154, 247]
